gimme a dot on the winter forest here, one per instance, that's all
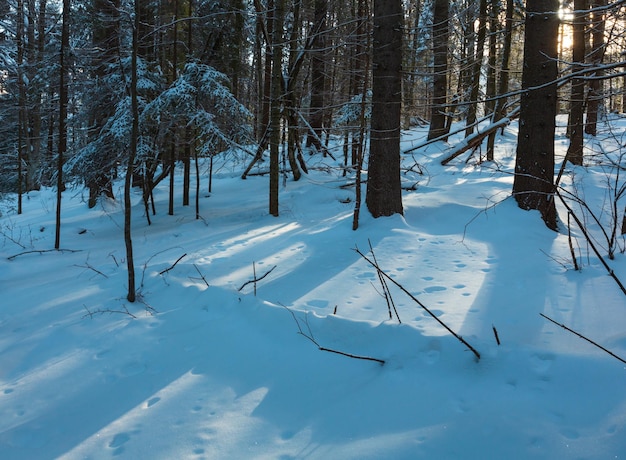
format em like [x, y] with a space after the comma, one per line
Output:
[312, 229]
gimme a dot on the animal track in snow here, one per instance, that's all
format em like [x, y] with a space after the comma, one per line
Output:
[432, 289]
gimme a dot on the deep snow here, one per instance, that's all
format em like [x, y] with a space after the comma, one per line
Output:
[218, 373]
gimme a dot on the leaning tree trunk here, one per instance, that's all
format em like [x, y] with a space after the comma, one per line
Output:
[384, 193]
[533, 184]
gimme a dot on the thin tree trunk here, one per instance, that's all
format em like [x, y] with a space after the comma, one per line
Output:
[477, 69]
[318, 74]
[19, 38]
[188, 131]
[130, 263]
[438, 117]
[503, 82]
[596, 97]
[63, 101]
[174, 146]
[575, 125]
[275, 102]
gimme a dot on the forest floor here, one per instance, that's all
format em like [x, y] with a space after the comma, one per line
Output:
[207, 364]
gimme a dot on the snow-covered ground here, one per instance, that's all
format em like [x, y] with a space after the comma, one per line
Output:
[194, 371]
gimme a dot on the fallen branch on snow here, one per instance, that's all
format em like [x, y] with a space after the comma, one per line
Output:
[584, 338]
[255, 279]
[41, 251]
[416, 300]
[321, 348]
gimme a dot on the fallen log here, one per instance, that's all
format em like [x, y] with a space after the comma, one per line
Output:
[473, 141]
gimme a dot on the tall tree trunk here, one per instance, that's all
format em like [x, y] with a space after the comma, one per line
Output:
[19, 38]
[134, 140]
[533, 184]
[438, 125]
[596, 97]
[575, 125]
[189, 144]
[494, 28]
[503, 82]
[384, 193]
[33, 114]
[477, 69]
[174, 145]
[318, 74]
[275, 103]
[63, 101]
[105, 40]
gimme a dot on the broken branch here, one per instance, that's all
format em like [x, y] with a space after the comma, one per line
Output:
[256, 279]
[173, 265]
[416, 300]
[584, 338]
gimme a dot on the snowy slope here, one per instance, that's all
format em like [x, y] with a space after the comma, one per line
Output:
[196, 371]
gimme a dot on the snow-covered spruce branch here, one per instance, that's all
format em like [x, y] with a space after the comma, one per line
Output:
[309, 335]
[417, 301]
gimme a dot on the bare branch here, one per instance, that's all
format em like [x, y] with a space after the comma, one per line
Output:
[310, 336]
[416, 300]
[173, 265]
[584, 338]
[256, 279]
[41, 251]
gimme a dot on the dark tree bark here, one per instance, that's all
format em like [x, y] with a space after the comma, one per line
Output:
[384, 193]
[21, 128]
[598, 45]
[275, 103]
[575, 125]
[105, 40]
[503, 82]
[533, 185]
[477, 69]
[63, 101]
[438, 117]
[318, 74]
[134, 140]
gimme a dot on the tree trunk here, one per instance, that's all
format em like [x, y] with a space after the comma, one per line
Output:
[19, 38]
[105, 39]
[477, 69]
[533, 185]
[596, 97]
[503, 82]
[134, 140]
[318, 74]
[438, 126]
[575, 125]
[63, 101]
[384, 193]
[275, 104]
